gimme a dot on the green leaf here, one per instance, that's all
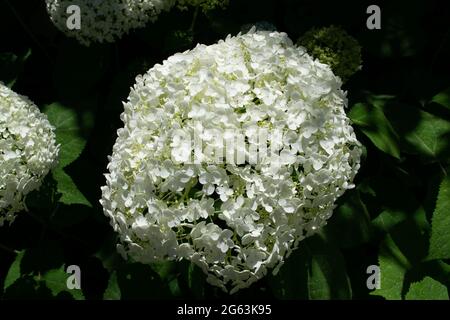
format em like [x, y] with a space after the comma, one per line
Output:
[196, 281]
[427, 289]
[430, 137]
[112, 291]
[165, 269]
[174, 288]
[440, 226]
[71, 146]
[327, 277]
[67, 133]
[69, 191]
[374, 124]
[44, 198]
[350, 223]
[391, 218]
[291, 281]
[107, 253]
[56, 281]
[393, 266]
[387, 219]
[443, 98]
[420, 132]
[14, 271]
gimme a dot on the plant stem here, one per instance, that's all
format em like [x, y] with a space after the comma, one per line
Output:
[8, 249]
[194, 19]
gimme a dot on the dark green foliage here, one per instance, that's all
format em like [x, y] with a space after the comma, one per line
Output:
[397, 217]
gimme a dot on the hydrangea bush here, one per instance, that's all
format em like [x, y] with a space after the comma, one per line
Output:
[106, 20]
[28, 151]
[236, 222]
[388, 238]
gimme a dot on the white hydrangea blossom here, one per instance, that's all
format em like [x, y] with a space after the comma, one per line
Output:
[106, 20]
[234, 221]
[28, 151]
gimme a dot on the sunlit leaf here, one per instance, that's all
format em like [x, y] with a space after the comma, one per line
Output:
[440, 228]
[374, 124]
[427, 289]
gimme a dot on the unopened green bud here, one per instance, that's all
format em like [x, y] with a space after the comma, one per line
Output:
[335, 47]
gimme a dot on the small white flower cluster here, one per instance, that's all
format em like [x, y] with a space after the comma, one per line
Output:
[28, 151]
[105, 20]
[234, 221]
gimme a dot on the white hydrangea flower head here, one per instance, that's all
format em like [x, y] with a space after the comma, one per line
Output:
[106, 20]
[235, 222]
[28, 151]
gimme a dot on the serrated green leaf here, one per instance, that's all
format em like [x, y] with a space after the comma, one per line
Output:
[443, 98]
[69, 191]
[56, 281]
[71, 146]
[374, 124]
[67, 133]
[440, 226]
[112, 292]
[14, 271]
[393, 266]
[427, 289]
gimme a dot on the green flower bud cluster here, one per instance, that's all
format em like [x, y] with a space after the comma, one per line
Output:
[335, 47]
